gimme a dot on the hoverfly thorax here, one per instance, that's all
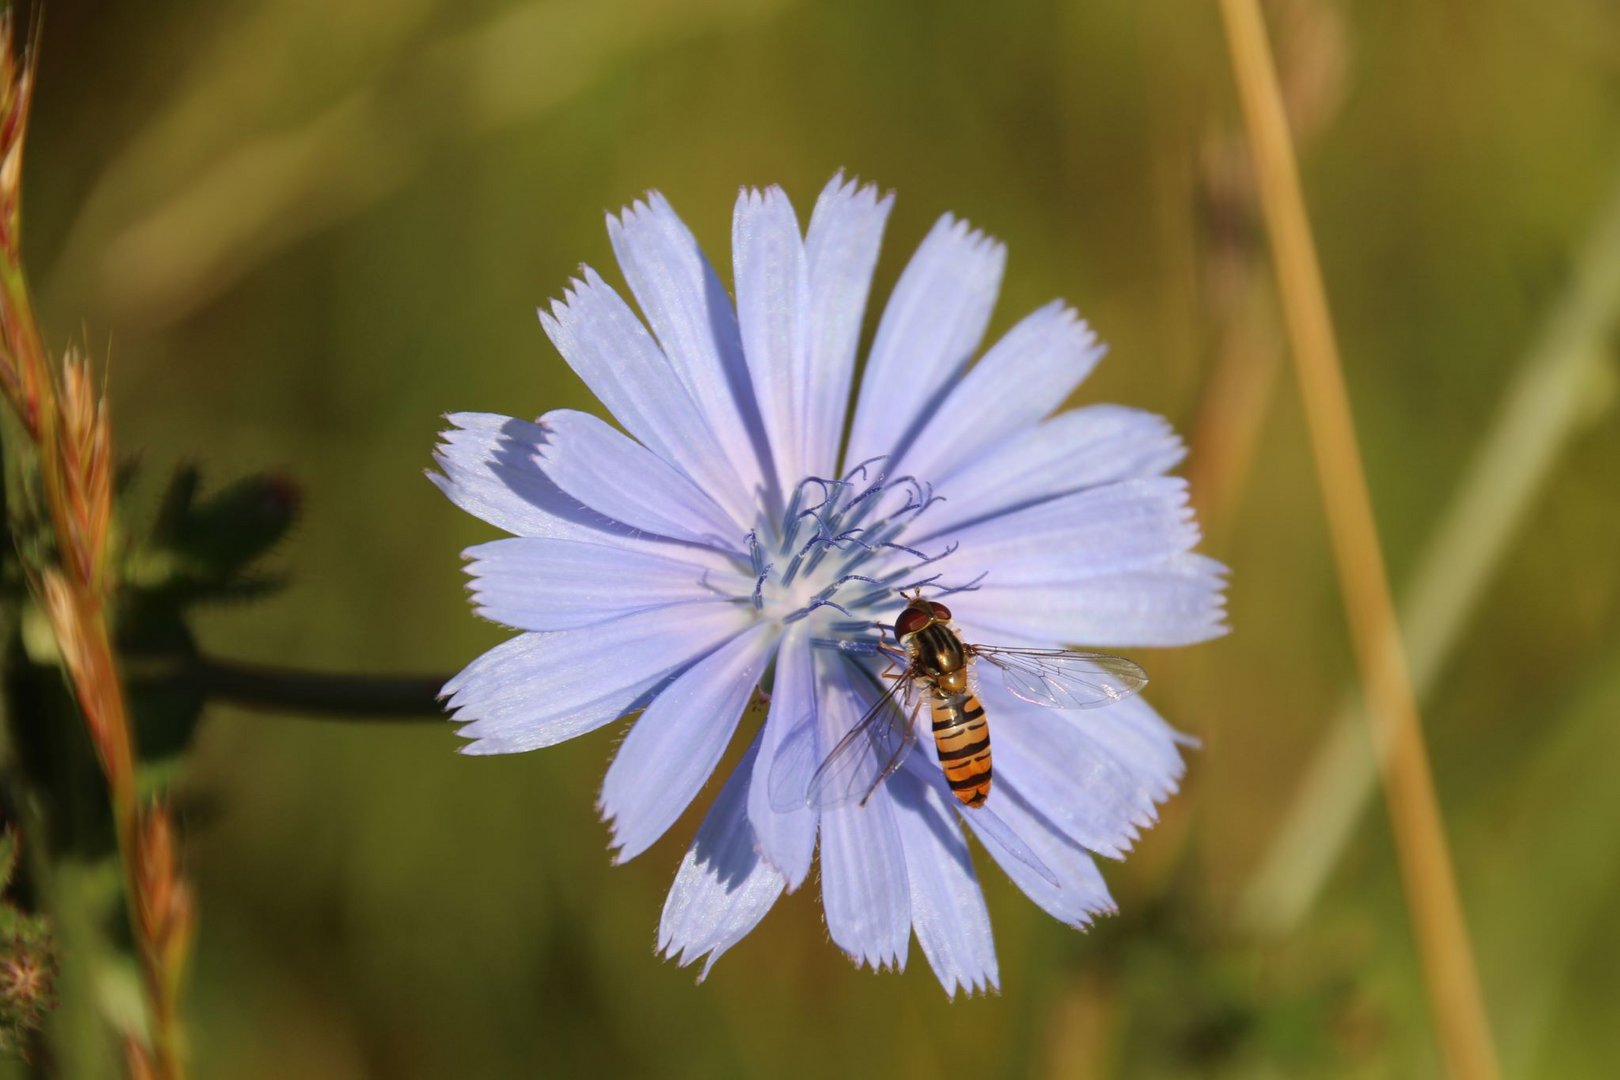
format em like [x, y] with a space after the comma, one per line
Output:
[937, 653]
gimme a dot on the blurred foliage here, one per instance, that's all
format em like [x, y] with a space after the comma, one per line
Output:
[196, 550]
[309, 229]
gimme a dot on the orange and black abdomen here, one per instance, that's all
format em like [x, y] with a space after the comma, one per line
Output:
[963, 740]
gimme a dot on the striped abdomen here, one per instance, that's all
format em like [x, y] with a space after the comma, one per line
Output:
[963, 740]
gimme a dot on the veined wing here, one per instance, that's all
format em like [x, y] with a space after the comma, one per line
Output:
[870, 752]
[1064, 678]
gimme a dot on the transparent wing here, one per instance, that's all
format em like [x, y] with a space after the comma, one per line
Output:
[1064, 678]
[794, 758]
[869, 753]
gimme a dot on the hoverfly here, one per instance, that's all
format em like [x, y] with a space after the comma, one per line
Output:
[934, 666]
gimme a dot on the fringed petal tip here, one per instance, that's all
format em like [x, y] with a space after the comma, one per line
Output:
[879, 962]
[722, 889]
[983, 988]
[975, 240]
[650, 202]
[686, 955]
[480, 747]
[851, 194]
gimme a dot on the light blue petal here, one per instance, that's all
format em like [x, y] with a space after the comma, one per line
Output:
[1102, 530]
[723, 888]
[1135, 735]
[846, 231]
[491, 469]
[1123, 526]
[543, 584]
[864, 892]
[540, 689]
[1079, 449]
[787, 838]
[864, 889]
[932, 326]
[1074, 891]
[993, 829]
[1023, 377]
[773, 312]
[623, 480]
[692, 317]
[1178, 601]
[1072, 770]
[679, 739]
[925, 767]
[1105, 566]
[609, 348]
[947, 907]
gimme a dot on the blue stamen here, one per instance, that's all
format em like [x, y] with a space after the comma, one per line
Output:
[854, 577]
[847, 535]
[971, 586]
[759, 586]
[861, 468]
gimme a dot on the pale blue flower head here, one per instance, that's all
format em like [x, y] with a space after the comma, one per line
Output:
[722, 541]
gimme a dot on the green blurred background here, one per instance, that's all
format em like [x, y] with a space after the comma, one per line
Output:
[304, 230]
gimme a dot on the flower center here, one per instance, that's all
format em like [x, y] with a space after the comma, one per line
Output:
[839, 552]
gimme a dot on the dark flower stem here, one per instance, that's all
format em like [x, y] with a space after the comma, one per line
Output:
[317, 693]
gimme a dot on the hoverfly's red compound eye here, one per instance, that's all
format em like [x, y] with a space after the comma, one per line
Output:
[911, 620]
[941, 612]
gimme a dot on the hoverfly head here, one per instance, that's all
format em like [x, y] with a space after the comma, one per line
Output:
[919, 615]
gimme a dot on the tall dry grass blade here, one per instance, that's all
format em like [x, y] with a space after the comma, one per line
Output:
[1425, 862]
[1547, 401]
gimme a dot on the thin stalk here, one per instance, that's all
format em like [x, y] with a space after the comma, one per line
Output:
[1427, 877]
[1549, 398]
[339, 695]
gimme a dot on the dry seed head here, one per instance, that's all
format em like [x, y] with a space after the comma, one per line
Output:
[16, 93]
[16, 89]
[86, 453]
[176, 943]
[164, 904]
[72, 639]
[63, 613]
[162, 896]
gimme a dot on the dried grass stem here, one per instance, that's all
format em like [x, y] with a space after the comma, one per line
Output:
[1425, 862]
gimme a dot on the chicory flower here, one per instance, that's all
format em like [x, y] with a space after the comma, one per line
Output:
[725, 541]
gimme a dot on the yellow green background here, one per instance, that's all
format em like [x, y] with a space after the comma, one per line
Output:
[303, 230]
